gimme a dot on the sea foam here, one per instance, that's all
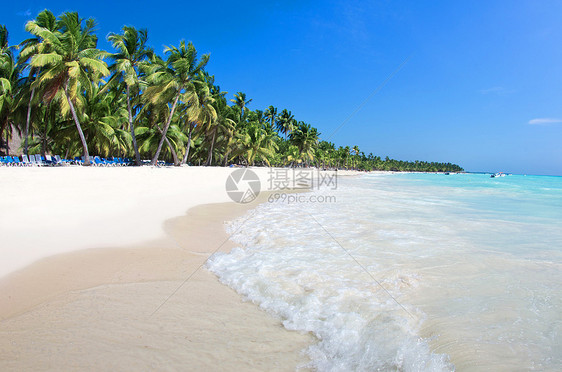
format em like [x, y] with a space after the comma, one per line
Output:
[402, 272]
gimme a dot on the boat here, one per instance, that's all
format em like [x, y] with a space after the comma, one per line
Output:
[499, 174]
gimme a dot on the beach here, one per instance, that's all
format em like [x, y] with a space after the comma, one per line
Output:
[411, 271]
[154, 268]
[102, 269]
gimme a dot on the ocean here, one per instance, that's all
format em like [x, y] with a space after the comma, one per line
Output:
[410, 272]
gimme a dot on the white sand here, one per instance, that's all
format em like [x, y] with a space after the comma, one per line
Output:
[64, 306]
[47, 211]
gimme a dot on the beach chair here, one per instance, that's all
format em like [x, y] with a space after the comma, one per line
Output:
[60, 161]
[16, 161]
[48, 159]
[25, 160]
[8, 161]
[96, 161]
[116, 161]
[39, 160]
[32, 160]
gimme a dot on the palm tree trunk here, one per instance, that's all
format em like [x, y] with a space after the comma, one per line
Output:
[7, 143]
[210, 155]
[157, 154]
[44, 140]
[78, 127]
[4, 126]
[227, 150]
[28, 120]
[132, 129]
[186, 155]
[226, 158]
[174, 153]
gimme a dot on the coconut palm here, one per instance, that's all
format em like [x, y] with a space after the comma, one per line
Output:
[255, 143]
[72, 65]
[206, 116]
[226, 127]
[271, 114]
[173, 81]
[241, 101]
[132, 51]
[305, 137]
[285, 122]
[150, 137]
[29, 48]
[9, 80]
[355, 150]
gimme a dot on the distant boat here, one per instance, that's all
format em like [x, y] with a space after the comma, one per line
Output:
[499, 174]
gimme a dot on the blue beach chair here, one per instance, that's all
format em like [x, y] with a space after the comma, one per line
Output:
[16, 161]
[39, 160]
[25, 160]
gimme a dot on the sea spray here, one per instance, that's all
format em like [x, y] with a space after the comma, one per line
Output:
[291, 268]
[404, 265]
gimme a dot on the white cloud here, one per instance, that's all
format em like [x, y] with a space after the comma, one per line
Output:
[544, 121]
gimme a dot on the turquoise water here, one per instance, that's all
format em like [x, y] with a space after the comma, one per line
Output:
[412, 271]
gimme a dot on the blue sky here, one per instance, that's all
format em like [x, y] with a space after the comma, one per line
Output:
[481, 86]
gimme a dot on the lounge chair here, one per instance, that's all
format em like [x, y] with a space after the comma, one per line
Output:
[96, 161]
[60, 161]
[39, 160]
[32, 160]
[16, 161]
[48, 159]
[25, 160]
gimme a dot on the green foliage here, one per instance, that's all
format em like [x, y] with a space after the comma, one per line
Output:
[151, 106]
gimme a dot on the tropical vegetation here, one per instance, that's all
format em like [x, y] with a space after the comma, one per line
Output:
[63, 95]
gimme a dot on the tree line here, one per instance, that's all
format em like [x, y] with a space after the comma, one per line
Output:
[64, 95]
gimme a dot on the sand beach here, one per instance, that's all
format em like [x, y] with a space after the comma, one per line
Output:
[102, 269]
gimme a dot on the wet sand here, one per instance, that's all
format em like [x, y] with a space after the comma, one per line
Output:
[151, 306]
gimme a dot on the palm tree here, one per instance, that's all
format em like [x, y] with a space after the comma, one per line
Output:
[29, 48]
[172, 81]
[240, 101]
[356, 151]
[9, 77]
[72, 66]
[256, 143]
[285, 122]
[200, 114]
[132, 51]
[305, 137]
[271, 114]
[226, 127]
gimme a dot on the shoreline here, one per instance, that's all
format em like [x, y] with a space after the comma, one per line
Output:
[91, 307]
[33, 331]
